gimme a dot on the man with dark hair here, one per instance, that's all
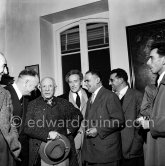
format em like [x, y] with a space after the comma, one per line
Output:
[78, 97]
[27, 82]
[156, 124]
[132, 140]
[103, 120]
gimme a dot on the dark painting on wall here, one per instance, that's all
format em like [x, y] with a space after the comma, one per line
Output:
[35, 68]
[139, 40]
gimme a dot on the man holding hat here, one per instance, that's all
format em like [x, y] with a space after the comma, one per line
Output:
[52, 124]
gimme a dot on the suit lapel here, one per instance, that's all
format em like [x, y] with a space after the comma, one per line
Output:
[127, 99]
[96, 102]
[71, 99]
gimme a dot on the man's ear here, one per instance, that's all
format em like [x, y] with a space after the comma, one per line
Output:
[39, 87]
[98, 80]
[163, 60]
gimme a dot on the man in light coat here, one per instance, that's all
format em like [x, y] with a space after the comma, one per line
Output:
[156, 124]
[74, 79]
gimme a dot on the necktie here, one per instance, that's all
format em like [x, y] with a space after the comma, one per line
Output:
[78, 100]
[92, 98]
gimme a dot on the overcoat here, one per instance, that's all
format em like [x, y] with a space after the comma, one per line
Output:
[156, 137]
[9, 143]
[42, 118]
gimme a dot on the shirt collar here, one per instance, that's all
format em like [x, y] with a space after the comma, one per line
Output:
[123, 92]
[96, 92]
[19, 94]
[160, 78]
[75, 95]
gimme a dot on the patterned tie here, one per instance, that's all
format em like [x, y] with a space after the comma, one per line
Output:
[78, 103]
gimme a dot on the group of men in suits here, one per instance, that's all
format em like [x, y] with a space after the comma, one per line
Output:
[97, 143]
[101, 144]
[108, 136]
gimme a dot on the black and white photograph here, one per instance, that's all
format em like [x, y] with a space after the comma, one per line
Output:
[82, 82]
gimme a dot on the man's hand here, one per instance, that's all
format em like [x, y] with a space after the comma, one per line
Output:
[91, 132]
[53, 135]
[144, 122]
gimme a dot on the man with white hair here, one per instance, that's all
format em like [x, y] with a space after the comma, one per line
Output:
[51, 116]
[9, 145]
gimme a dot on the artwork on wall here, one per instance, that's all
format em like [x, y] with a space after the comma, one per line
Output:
[34, 67]
[139, 40]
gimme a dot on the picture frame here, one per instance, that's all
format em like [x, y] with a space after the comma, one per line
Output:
[139, 40]
[34, 67]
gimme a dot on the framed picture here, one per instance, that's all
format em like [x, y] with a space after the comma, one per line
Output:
[34, 67]
[139, 40]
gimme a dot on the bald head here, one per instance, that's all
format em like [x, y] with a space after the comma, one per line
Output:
[47, 87]
[3, 69]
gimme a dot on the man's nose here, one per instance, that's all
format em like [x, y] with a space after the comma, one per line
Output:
[47, 88]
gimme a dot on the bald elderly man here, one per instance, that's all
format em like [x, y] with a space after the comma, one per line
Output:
[9, 145]
[49, 108]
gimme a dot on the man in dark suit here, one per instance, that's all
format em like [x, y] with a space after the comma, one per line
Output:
[103, 120]
[47, 109]
[132, 140]
[27, 82]
[78, 97]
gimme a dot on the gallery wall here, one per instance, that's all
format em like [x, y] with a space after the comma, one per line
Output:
[20, 27]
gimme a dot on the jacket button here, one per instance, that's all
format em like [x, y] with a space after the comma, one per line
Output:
[93, 144]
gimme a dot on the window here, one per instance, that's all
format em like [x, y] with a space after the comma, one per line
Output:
[85, 46]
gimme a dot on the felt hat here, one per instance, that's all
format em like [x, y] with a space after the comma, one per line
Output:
[55, 151]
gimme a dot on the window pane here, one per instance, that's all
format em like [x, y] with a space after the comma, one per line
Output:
[97, 35]
[70, 62]
[70, 40]
[100, 60]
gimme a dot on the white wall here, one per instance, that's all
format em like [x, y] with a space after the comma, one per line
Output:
[2, 24]
[125, 13]
[22, 42]
[22, 38]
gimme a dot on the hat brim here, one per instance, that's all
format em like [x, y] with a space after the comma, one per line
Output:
[49, 161]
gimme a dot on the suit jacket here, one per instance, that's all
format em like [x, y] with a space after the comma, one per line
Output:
[80, 135]
[63, 115]
[132, 140]
[19, 110]
[107, 116]
[8, 131]
[156, 141]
